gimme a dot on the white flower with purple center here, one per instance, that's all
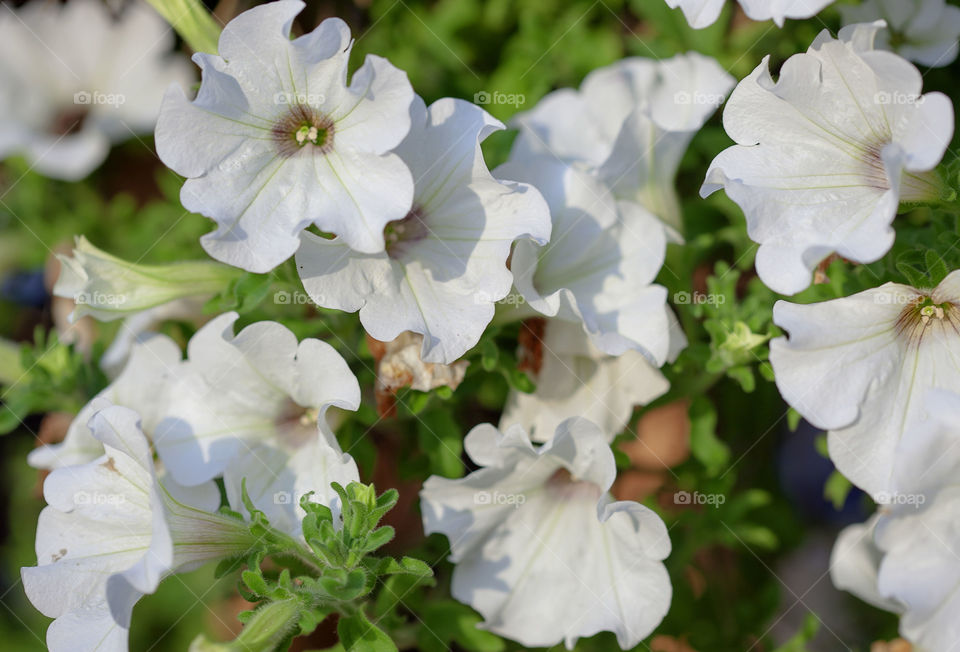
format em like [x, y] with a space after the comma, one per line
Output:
[541, 549]
[445, 263]
[277, 141]
[826, 153]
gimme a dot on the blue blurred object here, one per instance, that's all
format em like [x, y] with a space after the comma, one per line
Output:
[25, 289]
[803, 471]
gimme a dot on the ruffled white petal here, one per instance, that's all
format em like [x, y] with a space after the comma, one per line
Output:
[235, 392]
[576, 379]
[444, 282]
[260, 197]
[545, 558]
[594, 272]
[822, 153]
[927, 30]
[278, 476]
[847, 367]
[141, 386]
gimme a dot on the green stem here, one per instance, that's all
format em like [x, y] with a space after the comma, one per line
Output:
[192, 21]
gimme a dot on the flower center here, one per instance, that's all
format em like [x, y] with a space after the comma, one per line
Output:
[303, 128]
[399, 234]
[68, 122]
[296, 424]
[922, 316]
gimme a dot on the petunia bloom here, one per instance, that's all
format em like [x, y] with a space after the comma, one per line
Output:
[924, 31]
[825, 154]
[541, 549]
[445, 264]
[599, 266]
[74, 79]
[109, 288]
[859, 366]
[253, 406]
[629, 124]
[276, 141]
[142, 386]
[575, 379]
[703, 13]
[112, 530]
[904, 559]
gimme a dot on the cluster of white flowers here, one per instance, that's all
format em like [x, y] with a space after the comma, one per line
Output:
[824, 157]
[248, 407]
[65, 125]
[703, 13]
[389, 209]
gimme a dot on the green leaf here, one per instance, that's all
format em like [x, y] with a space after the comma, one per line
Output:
[836, 489]
[704, 445]
[793, 419]
[255, 582]
[358, 634]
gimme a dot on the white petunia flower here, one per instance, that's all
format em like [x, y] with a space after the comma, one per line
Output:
[925, 31]
[139, 326]
[112, 531]
[109, 288]
[629, 124]
[703, 13]
[74, 79]
[541, 550]
[575, 379]
[859, 366]
[444, 267]
[905, 559]
[599, 266]
[253, 406]
[276, 141]
[825, 154]
[141, 386]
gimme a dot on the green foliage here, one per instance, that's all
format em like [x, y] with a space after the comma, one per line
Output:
[334, 572]
[53, 377]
